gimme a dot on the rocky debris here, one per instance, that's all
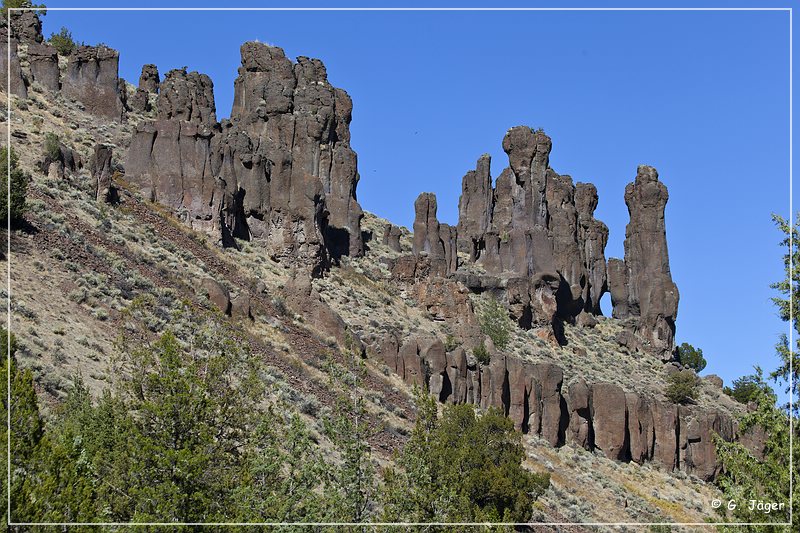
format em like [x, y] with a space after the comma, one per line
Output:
[217, 294]
[26, 26]
[391, 237]
[642, 287]
[102, 173]
[281, 172]
[625, 426]
[303, 299]
[714, 380]
[43, 60]
[18, 82]
[148, 84]
[433, 240]
[92, 78]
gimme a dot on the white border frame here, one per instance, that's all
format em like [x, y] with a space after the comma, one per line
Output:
[401, 524]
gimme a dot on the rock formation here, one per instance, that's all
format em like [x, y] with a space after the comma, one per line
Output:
[436, 241]
[100, 169]
[17, 82]
[148, 85]
[642, 286]
[625, 426]
[92, 77]
[391, 237]
[280, 171]
[43, 60]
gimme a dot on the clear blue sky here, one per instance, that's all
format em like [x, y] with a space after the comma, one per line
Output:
[702, 96]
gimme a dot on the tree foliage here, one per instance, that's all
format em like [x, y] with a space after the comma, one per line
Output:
[63, 42]
[495, 323]
[692, 357]
[462, 467]
[746, 475]
[18, 186]
[749, 388]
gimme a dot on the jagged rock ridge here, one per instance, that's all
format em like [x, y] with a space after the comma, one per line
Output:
[280, 171]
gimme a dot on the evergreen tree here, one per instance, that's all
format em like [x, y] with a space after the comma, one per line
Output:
[9, 168]
[461, 468]
[692, 357]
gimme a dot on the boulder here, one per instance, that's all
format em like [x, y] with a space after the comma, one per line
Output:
[240, 306]
[217, 294]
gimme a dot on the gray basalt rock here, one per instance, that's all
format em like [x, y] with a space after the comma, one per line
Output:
[609, 418]
[187, 97]
[475, 208]
[428, 236]
[26, 26]
[149, 82]
[592, 237]
[17, 81]
[698, 454]
[100, 169]
[301, 124]
[535, 224]
[646, 291]
[149, 79]
[217, 294]
[43, 60]
[92, 78]
[391, 237]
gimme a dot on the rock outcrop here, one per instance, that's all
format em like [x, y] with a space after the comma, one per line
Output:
[16, 83]
[434, 240]
[102, 173]
[43, 60]
[642, 286]
[391, 237]
[625, 426]
[148, 85]
[92, 78]
[280, 172]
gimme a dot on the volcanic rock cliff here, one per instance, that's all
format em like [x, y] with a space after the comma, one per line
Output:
[280, 173]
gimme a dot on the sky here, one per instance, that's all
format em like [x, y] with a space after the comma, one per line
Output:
[701, 95]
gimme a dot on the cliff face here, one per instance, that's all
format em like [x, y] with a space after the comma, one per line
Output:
[280, 172]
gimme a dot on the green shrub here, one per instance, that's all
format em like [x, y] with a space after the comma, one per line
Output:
[63, 42]
[692, 357]
[682, 387]
[749, 388]
[495, 323]
[481, 354]
[450, 343]
[19, 187]
[52, 148]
